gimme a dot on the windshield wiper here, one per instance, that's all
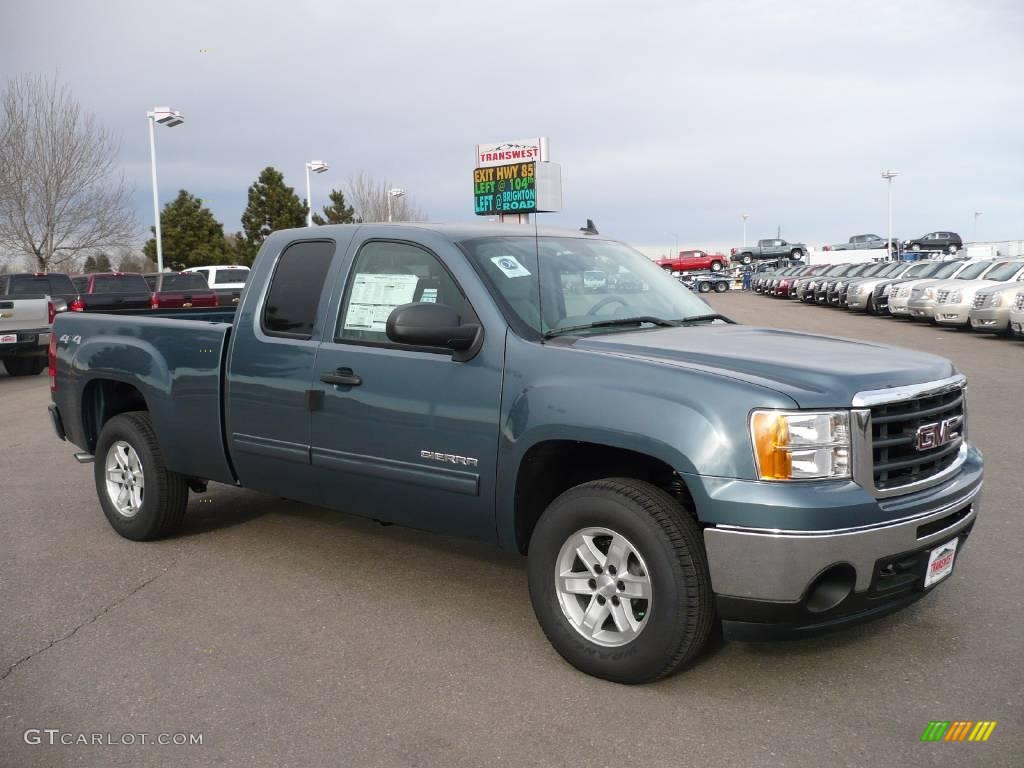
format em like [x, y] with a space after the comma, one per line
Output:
[702, 318]
[638, 320]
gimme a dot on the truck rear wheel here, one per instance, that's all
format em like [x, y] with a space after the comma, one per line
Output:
[716, 266]
[746, 258]
[619, 580]
[25, 366]
[142, 499]
[721, 287]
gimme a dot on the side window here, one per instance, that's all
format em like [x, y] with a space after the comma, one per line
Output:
[386, 275]
[81, 284]
[294, 295]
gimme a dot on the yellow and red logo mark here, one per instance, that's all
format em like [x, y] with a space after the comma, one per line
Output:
[958, 730]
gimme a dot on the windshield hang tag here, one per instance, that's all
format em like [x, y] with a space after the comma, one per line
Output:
[510, 266]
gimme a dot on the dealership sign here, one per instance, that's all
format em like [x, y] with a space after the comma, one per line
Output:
[505, 189]
[520, 151]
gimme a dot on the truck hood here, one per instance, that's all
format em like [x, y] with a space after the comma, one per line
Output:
[815, 371]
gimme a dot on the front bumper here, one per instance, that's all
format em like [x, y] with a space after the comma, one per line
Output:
[993, 320]
[900, 307]
[922, 308]
[767, 581]
[857, 301]
[1017, 323]
[953, 314]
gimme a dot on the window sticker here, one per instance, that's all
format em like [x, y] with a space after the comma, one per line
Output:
[429, 296]
[374, 297]
[510, 266]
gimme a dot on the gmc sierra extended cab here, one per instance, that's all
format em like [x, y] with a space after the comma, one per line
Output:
[768, 249]
[688, 261]
[662, 468]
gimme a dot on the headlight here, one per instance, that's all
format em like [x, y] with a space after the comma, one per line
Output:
[996, 300]
[886, 290]
[855, 290]
[840, 286]
[955, 297]
[929, 294]
[801, 445]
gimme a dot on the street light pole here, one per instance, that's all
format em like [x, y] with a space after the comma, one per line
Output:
[976, 215]
[394, 192]
[889, 176]
[170, 118]
[745, 216]
[316, 166]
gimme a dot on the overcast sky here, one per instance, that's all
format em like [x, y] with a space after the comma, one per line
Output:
[669, 119]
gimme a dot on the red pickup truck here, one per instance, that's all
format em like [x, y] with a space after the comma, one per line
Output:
[693, 260]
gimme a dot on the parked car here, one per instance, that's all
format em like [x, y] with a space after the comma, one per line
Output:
[799, 286]
[948, 242]
[863, 242]
[783, 284]
[179, 290]
[860, 295]
[1017, 315]
[56, 285]
[836, 288]
[688, 261]
[25, 323]
[923, 299]
[953, 306]
[662, 468]
[828, 281]
[769, 249]
[227, 281]
[110, 291]
[990, 311]
[883, 289]
[902, 291]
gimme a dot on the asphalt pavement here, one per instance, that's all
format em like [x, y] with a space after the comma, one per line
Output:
[286, 635]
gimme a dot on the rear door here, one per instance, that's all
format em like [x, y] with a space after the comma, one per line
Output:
[413, 436]
[270, 368]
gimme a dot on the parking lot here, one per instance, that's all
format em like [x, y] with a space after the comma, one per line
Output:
[292, 636]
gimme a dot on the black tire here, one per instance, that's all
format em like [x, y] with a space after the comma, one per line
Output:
[25, 366]
[746, 258]
[869, 308]
[165, 495]
[721, 287]
[705, 287]
[682, 611]
[716, 266]
[797, 254]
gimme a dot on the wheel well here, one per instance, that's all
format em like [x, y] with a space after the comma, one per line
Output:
[102, 400]
[550, 468]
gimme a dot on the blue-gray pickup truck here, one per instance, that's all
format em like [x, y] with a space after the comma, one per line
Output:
[663, 468]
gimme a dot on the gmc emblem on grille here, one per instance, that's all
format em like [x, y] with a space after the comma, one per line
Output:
[941, 432]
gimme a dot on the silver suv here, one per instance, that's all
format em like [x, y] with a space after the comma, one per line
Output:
[924, 298]
[953, 304]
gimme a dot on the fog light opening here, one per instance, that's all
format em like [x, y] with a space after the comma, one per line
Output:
[831, 588]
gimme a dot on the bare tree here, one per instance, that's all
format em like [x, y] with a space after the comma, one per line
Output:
[59, 196]
[369, 197]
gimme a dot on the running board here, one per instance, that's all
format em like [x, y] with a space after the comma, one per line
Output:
[84, 458]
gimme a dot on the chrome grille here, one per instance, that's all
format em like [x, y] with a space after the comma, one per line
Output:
[917, 293]
[979, 300]
[1020, 301]
[894, 426]
[942, 296]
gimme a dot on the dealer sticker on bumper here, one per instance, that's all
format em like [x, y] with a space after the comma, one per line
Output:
[9, 338]
[940, 562]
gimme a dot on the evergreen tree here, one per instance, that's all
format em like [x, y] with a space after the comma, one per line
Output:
[103, 263]
[272, 206]
[190, 234]
[337, 212]
[236, 249]
[90, 265]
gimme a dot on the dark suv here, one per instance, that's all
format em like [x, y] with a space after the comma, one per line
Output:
[948, 242]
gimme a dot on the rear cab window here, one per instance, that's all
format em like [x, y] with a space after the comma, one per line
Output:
[226, 276]
[119, 284]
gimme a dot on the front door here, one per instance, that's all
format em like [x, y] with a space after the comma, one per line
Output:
[400, 433]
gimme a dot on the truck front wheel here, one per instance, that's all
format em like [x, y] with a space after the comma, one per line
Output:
[619, 580]
[142, 499]
[716, 266]
[746, 258]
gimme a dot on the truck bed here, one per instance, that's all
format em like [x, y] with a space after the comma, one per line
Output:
[173, 358]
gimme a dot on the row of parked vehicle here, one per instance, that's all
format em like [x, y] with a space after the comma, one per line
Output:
[29, 302]
[986, 295]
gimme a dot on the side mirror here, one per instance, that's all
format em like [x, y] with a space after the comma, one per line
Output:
[424, 324]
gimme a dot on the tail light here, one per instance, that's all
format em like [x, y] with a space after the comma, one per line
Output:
[77, 305]
[51, 355]
[50, 313]
[154, 302]
[732, 251]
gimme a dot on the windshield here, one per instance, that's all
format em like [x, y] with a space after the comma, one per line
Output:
[581, 282]
[974, 270]
[1005, 272]
[947, 269]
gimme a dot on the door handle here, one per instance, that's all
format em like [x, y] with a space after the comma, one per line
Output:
[342, 377]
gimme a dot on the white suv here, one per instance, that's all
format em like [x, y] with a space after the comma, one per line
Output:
[226, 281]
